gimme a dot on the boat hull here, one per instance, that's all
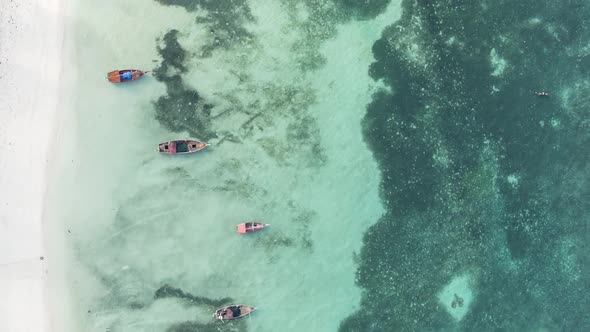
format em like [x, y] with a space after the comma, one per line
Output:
[233, 311]
[183, 146]
[125, 75]
[250, 227]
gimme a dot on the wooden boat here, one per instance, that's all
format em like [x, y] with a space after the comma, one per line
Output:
[233, 311]
[125, 75]
[250, 227]
[181, 146]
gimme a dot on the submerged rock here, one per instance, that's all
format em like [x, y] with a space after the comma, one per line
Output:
[457, 296]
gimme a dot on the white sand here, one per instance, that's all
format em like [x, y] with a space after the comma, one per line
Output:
[31, 34]
[459, 288]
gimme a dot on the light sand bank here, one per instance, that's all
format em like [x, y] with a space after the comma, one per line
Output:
[31, 34]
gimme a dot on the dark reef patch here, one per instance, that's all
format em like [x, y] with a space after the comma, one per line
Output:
[363, 9]
[181, 109]
[478, 174]
[225, 21]
[173, 57]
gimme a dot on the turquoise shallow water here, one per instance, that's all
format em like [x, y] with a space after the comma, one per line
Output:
[151, 239]
[412, 179]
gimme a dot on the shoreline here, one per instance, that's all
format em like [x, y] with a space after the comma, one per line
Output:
[30, 64]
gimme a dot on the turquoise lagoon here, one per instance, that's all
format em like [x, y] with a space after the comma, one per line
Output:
[150, 240]
[412, 179]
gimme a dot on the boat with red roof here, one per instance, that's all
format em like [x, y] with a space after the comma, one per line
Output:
[181, 146]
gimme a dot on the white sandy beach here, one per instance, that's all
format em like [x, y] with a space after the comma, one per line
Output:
[31, 35]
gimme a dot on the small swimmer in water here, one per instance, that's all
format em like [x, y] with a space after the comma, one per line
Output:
[457, 301]
[541, 94]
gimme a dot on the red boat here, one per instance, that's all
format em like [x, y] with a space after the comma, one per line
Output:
[181, 146]
[119, 76]
[233, 311]
[250, 227]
